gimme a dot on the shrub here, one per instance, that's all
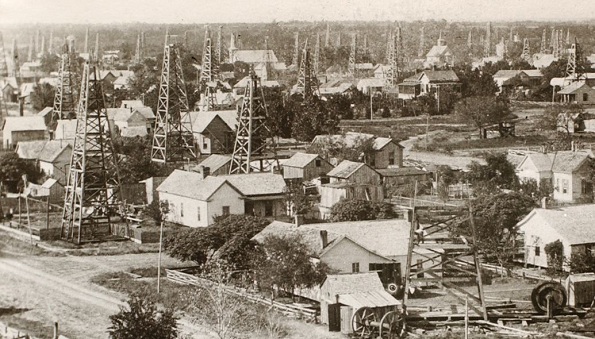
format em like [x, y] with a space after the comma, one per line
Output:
[354, 210]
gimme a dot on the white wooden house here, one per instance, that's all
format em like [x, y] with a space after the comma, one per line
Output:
[16, 129]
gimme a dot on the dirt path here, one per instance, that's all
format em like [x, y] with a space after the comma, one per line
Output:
[455, 161]
[66, 295]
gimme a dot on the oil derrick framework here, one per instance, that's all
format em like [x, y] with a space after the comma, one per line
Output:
[207, 74]
[391, 74]
[351, 71]
[3, 64]
[543, 46]
[252, 132]
[316, 62]
[218, 53]
[172, 140]
[526, 55]
[93, 186]
[439, 257]
[574, 68]
[66, 96]
[296, 50]
[307, 83]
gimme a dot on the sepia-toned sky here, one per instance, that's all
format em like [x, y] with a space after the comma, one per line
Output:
[225, 11]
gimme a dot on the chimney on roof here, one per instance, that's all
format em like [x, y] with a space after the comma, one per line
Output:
[324, 238]
[206, 171]
[544, 203]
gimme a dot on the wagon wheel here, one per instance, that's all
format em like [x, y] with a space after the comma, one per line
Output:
[552, 290]
[361, 322]
[392, 325]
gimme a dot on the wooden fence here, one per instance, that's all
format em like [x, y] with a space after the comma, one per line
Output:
[181, 277]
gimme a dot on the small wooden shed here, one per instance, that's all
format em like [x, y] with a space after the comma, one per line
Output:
[580, 289]
[341, 295]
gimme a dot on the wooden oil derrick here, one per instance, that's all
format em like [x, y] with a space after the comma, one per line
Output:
[441, 256]
[3, 64]
[307, 83]
[391, 73]
[351, 71]
[316, 63]
[218, 53]
[252, 132]
[296, 50]
[66, 96]
[543, 47]
[173, 140]
[574, 67]
[526, 55]
[93, 186]
[207, 74]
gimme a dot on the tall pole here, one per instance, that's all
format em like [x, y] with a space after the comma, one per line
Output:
[371, 107]
[159, 262]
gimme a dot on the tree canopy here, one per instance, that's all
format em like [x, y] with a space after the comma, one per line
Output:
[12, 169]
[498, 173]
[482, 111]
[42, 96]
[143, 321]
[354, 210]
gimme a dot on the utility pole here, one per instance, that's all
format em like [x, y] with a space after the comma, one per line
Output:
[351, 71]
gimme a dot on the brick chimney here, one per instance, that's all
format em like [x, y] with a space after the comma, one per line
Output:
[324, 238]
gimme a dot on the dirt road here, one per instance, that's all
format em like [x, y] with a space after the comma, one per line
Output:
[58, 289]
[455, 161]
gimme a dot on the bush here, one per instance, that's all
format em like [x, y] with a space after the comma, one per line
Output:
[143, 320]
[354, 210]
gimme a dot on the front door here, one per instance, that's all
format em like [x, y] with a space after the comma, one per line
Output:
[334, 317]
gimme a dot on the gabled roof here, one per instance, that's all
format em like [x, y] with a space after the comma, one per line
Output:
[134, 131]
[255, 184]
[45, 111]
[542, 161]
[437, 51]
[573, 223]
[506, 73]
[568, 162]
[131, 104]
[401, 171]
[10, 81]
[49, 183]
[353, 283]
[573, 87]
[255, 56]
[345, 169]
[30, 123]
[533, 73]
[202, 120]
[52, 150]
[370, 82]
[392, 242]
[29, 149]
[215, 161]
[381, 142]
[147, 112]
[191, 185]
[300, 160]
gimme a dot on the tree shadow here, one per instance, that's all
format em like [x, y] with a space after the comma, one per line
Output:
[12, 310]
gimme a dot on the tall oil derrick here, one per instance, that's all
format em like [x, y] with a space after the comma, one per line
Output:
[351, 71]
[15, 60]
[93, 187]
[86, 49]
[252, 132]
[96, 51]
[488, 40]
[3, 64]
[555, 41]
[389, 45]
[441, 258]
[137, 53]
[36, 42]
[327, 37]
[66, 96]
[568, 37]
[391, 73]
[51, 43]
[562, 50]
[574, 68]
[42, 48]
[218, 59]
[316, 62]
[172, 140]
[267, 59]
[365, 45]
[526, 55]
[307, 82]
[296, 50]
[543, 46]
[30, 50]
[422, 43]
[207, 75]
[399, 51]
[470, 39]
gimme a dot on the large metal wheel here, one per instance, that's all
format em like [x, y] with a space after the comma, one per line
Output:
[555, 292]
[361, 322]
[392, 325]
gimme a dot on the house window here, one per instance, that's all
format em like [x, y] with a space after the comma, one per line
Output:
[373, 161]
[537, 251]
[585, 96]
[564, 185]
[181, 209]
[355, 267]
[391, 158]
[198, 213]
[205, 144]
[318, 162]
[225, 210]
[268, 208]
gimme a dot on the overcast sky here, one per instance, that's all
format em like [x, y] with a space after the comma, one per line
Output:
[224, 11]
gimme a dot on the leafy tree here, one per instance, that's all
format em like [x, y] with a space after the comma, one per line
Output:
[143, 321]
[50, 63]
[136, 164]
[42, 96]
[279, 118]
[353, 210]
[475, 83]
[497, 173]
[581, 262]
[555, 255]
[297, 200]
[360, 149]
[482, 112]
[530, 187]
[285, 261]
[311, 118]
[157, 210]
[228, 239]
[495, 219]
[556, 117]
[12, 169]
[340, 106]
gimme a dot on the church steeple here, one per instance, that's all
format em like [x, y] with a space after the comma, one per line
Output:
[440, 40]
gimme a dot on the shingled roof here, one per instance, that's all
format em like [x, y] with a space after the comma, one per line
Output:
[191, 185]
[345, 169]
[300, 160]
[573, 223]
